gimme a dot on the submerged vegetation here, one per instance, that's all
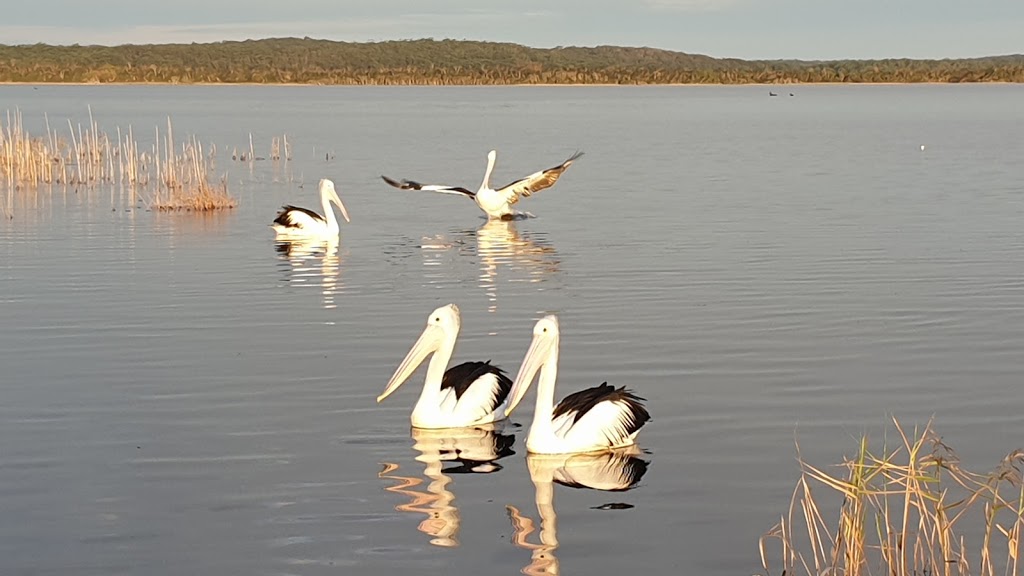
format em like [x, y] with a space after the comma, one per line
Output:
[165, 176]
[452, 62]
[911, 509]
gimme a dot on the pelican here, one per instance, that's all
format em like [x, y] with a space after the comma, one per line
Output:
[598, 418]
[470, 394]
[496, 203]
[614, 471]
[295, 222]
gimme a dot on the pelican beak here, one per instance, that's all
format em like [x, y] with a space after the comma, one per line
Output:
[427, 344]
[344, 212]
[535, 358]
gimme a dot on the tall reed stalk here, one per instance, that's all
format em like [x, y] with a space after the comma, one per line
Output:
[901, 513]
[169, 176]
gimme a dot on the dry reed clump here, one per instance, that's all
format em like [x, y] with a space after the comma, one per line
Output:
[901, 513]
[184, 178]
[168, 177]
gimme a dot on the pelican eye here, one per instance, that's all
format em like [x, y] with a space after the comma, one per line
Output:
[437, 319]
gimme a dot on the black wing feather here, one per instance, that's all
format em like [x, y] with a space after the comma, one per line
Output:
[462, 376]
[404, 184]
[284, 220]
[414, 185]
[584, 400]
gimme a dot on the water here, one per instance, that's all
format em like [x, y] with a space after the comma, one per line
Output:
[182, 396]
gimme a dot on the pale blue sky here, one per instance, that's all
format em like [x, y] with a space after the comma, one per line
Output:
[807, 29]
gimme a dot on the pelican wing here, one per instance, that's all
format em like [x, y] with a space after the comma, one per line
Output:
[295, 217]
[605, 415]
[479, 387]
[535, 182]
[413, 185]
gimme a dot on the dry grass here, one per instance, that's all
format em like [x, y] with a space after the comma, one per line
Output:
[184, 178]
[199, 198]
[166, 176]
[901, 514]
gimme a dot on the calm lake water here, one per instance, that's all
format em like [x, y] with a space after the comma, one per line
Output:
[179, 395]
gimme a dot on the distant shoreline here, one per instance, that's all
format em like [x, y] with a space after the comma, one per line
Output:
[524, 85]
[428, 62]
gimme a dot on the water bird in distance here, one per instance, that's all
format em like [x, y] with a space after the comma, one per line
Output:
[598, 418]
[496, 203]
[295, 222]
[470, 394]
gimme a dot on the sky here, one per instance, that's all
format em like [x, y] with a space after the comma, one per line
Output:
[750, 29]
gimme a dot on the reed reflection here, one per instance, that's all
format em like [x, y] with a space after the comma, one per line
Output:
[615, 471]
[502, 251]
[190, 225]
[446, 452]
[313, 262]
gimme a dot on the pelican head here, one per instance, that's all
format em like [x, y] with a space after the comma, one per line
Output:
[543, 347]
[328, 192]
[490, 166]
[442, 327]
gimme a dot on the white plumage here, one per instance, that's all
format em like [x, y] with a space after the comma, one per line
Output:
[496, 203]
[296, 222]
[469, 394]
[598, 418]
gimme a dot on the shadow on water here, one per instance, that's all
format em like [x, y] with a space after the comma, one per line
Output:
[446, 452]
[503, 252]
[313, 263]
[616, 471]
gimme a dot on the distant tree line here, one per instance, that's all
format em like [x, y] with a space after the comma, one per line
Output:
[453, 62]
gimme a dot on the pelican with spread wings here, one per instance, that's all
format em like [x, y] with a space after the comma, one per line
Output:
[496, 203]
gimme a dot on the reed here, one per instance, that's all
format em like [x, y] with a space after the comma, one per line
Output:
[901, 514]
[184, 182]
[167, 175]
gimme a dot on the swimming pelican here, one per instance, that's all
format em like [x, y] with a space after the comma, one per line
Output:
[496, 203]
[295, 222]
[597, 418]
[469, 394]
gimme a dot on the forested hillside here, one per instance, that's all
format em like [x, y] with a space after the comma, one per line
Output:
[308, 61]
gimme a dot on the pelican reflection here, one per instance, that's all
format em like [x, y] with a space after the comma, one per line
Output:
[312, 262]
[446, 452]
[614, 471]
[502, 251]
